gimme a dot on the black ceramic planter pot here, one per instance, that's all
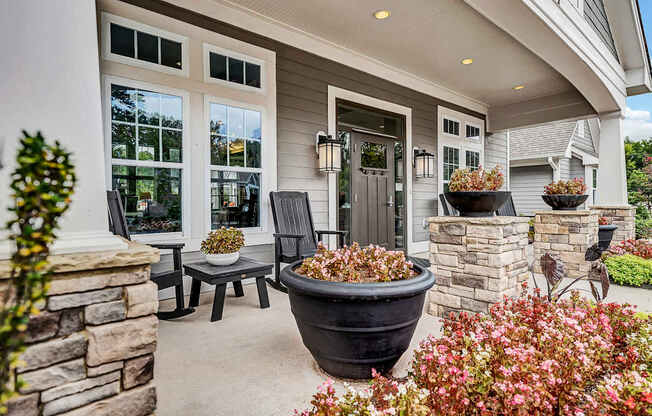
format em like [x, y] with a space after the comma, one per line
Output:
[564, 202]
[605, 234]
[477, 203]
[350, 328]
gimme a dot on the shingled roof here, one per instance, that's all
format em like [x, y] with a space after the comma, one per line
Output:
[548, 140]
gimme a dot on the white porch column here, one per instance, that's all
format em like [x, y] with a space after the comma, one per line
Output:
[49, 81]
[612, 179]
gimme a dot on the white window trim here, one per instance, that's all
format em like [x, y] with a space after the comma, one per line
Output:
[462, 131]
[208, 48]
[253, 235]
[186, 225]
[459, 142]
[108, 18]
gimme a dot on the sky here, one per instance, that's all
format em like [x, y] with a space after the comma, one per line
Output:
[638, 119]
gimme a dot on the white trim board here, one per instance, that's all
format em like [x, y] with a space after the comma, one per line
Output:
[237, 15]
[333, 94]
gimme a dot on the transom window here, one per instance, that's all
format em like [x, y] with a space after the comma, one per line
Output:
[232, 68]
[147, 155]
[235, 166]
[133, 43]
[472, 160]
[451, 127]
[472, 132]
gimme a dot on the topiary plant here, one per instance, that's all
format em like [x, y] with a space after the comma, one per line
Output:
[42, 185]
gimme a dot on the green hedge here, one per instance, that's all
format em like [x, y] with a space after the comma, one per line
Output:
[629, 270]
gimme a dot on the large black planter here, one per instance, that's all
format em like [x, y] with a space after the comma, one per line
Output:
[350, 328]
[477, 203]
[605, 234]
[564, 202]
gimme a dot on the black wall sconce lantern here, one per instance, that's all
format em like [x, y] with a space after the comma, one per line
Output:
[329, 151]
[424, 163]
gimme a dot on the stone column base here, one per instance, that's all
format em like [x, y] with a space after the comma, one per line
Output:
[476, 261]
[567, 234]
[90, 350]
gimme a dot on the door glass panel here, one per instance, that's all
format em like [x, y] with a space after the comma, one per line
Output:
[399, 221]
[451, 161]
[344, 183]
[472, 160]
[373, 155]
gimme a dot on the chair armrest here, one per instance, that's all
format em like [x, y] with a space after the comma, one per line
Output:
[297, 237]
[341, 234]
[168, 246]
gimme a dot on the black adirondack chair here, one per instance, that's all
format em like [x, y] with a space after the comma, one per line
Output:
[295, 237]
[448, 210]
[118, 226]
[508, 209]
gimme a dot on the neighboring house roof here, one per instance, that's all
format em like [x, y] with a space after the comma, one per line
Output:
[553, 140]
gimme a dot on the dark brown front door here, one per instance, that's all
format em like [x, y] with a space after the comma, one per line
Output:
[372, 190]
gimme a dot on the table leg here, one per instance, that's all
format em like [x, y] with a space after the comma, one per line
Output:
[218, 302]
[263, 299]
[194, 292]
[237, 287]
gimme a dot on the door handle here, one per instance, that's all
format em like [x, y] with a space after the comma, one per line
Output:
[390, 201]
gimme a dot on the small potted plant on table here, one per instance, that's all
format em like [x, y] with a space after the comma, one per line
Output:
[474, 193]
[222, 247]
[565, 195]
[605, 232]
[356, 308]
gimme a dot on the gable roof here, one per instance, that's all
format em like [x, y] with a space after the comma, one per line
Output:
[546, 140]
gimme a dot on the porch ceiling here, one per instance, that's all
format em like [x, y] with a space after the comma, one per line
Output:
[425, 38]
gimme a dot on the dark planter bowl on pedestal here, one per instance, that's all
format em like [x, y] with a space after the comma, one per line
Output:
[477, 203]
[350, 328]
[605, 234]
[564, 202]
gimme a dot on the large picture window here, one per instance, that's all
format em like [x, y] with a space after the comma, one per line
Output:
[235, 166]
[146, 157]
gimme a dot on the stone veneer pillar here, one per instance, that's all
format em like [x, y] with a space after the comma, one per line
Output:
[90, 350]
[567, 234]
[622, 216]
[476, 261]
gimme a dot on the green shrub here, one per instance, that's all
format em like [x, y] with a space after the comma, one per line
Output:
[629, 270]
[643, 222]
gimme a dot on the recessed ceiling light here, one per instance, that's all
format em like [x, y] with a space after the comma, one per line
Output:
[381, 14]
[467, 61]
[519, 87]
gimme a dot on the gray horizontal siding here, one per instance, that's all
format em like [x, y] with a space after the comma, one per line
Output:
[564, 168]
[527, 184]
[595, 14]
[576, 169]
[495, 151]
[585, 142]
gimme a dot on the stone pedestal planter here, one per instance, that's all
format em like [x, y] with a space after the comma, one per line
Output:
[476, 261]
[567, 234]
[90, 351]
[621, 216]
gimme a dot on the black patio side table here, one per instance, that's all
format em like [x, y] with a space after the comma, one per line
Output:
[219, 276]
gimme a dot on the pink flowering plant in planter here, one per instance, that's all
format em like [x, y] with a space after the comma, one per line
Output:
[355, 264]
[528, 356]
[465, 180]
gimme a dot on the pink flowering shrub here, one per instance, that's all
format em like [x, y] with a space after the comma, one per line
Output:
[529, 356]
[357, 264]
[383, 397]
[640, 248]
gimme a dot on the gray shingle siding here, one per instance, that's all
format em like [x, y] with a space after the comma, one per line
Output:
[526, 184]
[595, 14]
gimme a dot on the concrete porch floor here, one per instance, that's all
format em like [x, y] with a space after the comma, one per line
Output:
[252, 362]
